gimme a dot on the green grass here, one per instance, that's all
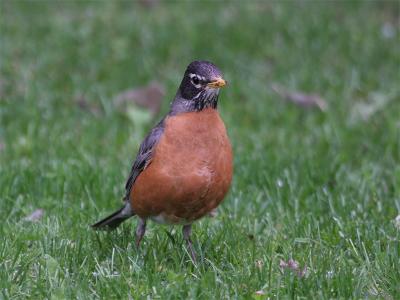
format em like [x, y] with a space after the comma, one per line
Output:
[322, 188]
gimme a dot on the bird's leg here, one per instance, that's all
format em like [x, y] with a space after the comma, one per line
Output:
[187, 230]
[140, 230]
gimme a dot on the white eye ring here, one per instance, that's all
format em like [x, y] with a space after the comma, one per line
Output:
[196, 80]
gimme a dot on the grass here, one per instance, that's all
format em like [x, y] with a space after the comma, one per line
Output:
[322, 188]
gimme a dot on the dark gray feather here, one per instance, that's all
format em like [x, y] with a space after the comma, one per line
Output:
[144, 156]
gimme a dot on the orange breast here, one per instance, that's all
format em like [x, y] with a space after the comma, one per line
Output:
[190, 172]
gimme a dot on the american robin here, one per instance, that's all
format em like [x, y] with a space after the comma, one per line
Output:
[183, 169]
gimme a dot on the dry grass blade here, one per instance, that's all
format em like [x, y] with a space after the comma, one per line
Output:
[301, 99]
[149, 97]
[260, 293]
[35, 216]
[397, 222]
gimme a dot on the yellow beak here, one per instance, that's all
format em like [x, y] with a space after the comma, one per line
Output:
[218, 83]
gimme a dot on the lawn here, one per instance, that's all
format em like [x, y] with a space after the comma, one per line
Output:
[317, 188]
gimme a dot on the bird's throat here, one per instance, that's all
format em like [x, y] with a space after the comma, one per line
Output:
[204, 99]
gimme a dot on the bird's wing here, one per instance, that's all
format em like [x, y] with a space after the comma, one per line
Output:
[144, 156]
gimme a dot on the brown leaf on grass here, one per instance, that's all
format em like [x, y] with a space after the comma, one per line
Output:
[283, 264]
[301, 99]
[294, 266]
[86, 105]
[259, 264]
[149, 97]
[35, 216]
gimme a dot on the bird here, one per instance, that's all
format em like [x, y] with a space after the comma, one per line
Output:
[183, 169]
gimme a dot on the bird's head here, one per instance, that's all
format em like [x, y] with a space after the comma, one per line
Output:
[200, 85]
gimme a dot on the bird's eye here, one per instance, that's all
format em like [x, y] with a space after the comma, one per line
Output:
[195, 80]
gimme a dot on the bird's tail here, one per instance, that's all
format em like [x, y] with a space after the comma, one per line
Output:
[116, 218]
